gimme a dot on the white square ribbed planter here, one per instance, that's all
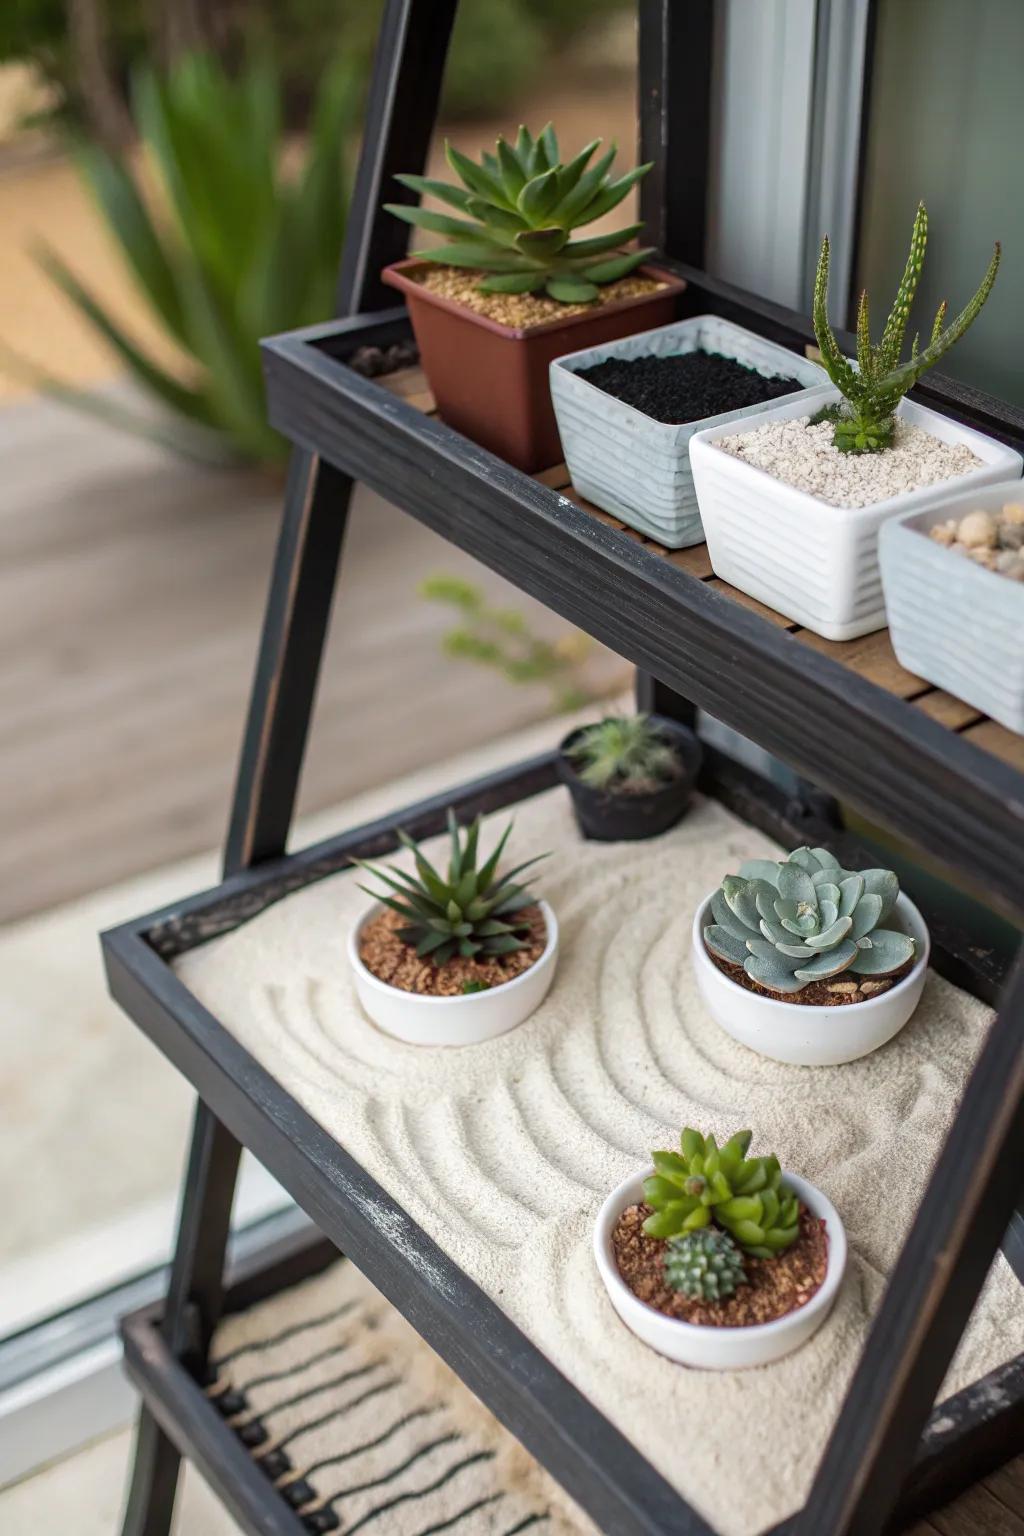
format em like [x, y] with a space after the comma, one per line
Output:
[951, 621]
[634, 467]
[809, 560]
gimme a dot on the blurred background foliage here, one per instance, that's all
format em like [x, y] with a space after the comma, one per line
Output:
[85, 51]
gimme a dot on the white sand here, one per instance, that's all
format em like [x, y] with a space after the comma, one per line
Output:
[503, 1152]
[339, 1372]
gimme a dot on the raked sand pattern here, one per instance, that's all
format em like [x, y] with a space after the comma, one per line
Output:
[503, 1151]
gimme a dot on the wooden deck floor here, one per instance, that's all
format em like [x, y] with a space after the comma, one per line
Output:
[131, 591]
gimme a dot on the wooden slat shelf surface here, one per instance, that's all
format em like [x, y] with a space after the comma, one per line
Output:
[847, 717]
[871, 657]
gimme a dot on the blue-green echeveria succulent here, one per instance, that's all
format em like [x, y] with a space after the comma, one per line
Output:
[806, 919]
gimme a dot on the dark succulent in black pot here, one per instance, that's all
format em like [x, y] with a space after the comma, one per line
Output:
[630, 776]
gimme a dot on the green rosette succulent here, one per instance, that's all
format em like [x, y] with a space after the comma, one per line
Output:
[471, 910]
[806, 919]
[517, 209]
[703, 1183]
[705, 1265]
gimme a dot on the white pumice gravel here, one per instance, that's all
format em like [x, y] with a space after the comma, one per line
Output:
[805, 457]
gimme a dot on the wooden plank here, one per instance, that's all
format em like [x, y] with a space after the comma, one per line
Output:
[871, 657]
[606, 518]
[977, 1513]
[411, 384]
[1007, 1483]
[750, 602]
[951, 712]
[1004, 744]
[695, 561]
[557, 477]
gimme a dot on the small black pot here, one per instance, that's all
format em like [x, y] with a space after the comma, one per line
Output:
[607, 817]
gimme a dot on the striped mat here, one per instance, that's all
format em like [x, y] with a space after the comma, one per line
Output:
[361, 1427]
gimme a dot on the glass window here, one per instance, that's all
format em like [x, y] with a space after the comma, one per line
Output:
[945, 123]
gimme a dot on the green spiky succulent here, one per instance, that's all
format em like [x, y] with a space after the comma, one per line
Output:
[625, 753]
[467, 912]
[866, 420]
[806, 919]
[704, 1184]
[519, 207]
[705, 1265]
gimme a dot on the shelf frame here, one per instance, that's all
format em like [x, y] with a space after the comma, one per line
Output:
[698, 647]
[963, 1438]
[951, 800]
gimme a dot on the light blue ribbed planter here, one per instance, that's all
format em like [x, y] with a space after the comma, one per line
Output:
[634, 467]
[952, 622]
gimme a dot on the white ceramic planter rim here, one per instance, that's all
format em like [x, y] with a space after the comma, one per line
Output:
[703, 915]
[987, 449]
[638, 420]
[630, 1192]
[466, 1001]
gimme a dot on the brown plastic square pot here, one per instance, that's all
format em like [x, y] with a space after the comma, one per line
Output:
[490, 381]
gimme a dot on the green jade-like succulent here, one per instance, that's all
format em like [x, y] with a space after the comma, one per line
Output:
[704, 1184]
[806, 919]
[624, 753]
[705, 1265]
[519, 207]
[467, 912]
[866, 421]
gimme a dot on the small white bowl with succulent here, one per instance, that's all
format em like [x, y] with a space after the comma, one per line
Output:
[807, 962]
[453, 958]
[717, 1259]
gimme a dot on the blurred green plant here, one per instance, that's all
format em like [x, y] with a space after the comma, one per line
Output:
[237, 249]
[499, 47]
[501, 639]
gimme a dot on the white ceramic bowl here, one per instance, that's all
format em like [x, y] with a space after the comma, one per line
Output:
[421, 1020]
[805, 1036]
[709, 1348]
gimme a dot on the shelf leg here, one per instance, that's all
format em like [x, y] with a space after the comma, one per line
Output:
[960, 1223]
[656, 698]
[194, 1303]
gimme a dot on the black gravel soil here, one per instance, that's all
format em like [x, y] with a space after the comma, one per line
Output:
[689, 387]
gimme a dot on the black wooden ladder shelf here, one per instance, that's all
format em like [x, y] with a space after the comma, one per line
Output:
[840, 715]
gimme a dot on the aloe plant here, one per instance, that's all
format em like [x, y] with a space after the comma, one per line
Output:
[519, 207]
[238, 250]
[866, 420]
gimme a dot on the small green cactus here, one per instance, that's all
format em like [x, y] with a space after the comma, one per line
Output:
[866, 420]
[706, 1265]
[705, 1183]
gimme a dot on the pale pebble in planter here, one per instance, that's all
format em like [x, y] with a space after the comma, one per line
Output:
[421, 1019]
[951, 621]
[705, 1346]
[637, 468]
[814, 562]
[801, 1034]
